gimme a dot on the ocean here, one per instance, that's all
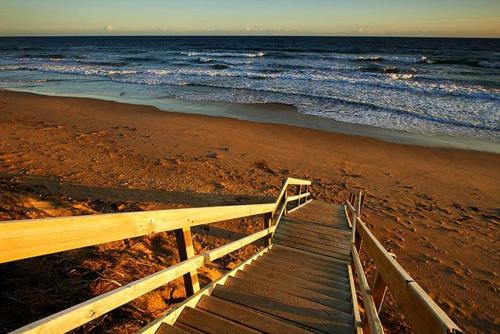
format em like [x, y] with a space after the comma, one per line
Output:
[429, 86]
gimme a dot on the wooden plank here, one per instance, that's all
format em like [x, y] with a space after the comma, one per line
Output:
[248, 317]
[310, 248]
[313, 240]
[305, 225]
[91, 309]
[188, 329]
[286, 249]
[211, 323]
[294, 181]
[287, 253]
[311, 266]
[338, 293]
[339, 241]
[374, 324]
[169, 329]
[357, 318]
[288, 298]
[319, 280]
[301, 264]
[186, 251]
[294, 309]
[421, 312]
[32, 237]
[297, 197]
[267, 224]
[297, 290]
[235, 245]
[171, 316]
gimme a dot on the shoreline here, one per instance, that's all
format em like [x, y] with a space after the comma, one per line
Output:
[435, 208]
[275, 113]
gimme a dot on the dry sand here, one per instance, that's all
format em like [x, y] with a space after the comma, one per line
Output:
[436, 208]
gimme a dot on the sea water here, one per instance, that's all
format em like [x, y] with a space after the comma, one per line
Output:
[429, 86]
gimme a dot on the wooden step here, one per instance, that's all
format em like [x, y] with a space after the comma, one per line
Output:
[299, 291]
[329, 231]
[210, 323]
[287, 298]
[248, 317]
[188, 329]
[339, 293]
[303, 262]
[293, 309]
[338, 241]
[310, 248]
[169, 329]
[294, 254]
[295, 237]
[308, 271]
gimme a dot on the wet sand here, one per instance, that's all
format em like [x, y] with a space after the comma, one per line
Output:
[436, 208]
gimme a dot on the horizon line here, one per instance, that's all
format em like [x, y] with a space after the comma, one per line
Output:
[242, 35]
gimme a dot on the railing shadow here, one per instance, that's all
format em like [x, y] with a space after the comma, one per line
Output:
[50, 185]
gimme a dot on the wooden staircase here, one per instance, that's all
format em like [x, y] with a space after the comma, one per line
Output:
[301, 285]
[301, 281]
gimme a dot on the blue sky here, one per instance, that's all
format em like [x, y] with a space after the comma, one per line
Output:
[256, 17]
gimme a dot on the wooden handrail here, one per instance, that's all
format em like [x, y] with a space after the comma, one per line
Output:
[371, 312]
[33, 237]
[421, 312]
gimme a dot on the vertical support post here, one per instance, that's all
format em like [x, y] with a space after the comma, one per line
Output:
[358, 205]
[379, 289]
[299, 193]
[185, 248]
[267, 224]
[285, 197]
[354, 222]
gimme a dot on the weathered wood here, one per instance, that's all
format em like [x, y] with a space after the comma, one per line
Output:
[287, 278]
[318, 239]
[186, 251]
[421, 312]
[210, 323]
[294, 309]
[355, 306]
[248, 317]
[32, 237]
[267, 225]
[188, 329]
[373, 321]
[171, 316]
[169, 329]
[297, 290]
[295, 243]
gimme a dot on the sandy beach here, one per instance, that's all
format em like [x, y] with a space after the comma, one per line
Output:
[437, 209]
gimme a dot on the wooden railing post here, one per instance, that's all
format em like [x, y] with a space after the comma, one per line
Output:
[299, 193]
[359, 205]
[285, 198]
[379, 289]
[186, 250]
[267, 224]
